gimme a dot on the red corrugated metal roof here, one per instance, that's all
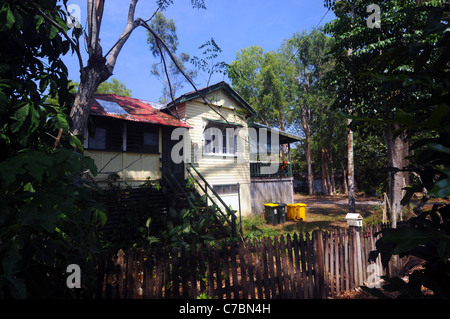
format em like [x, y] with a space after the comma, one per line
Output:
[131, 109]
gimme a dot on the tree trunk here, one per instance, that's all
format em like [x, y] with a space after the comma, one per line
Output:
[344, 179]
[398, 150]
[98, 68]
[325, 185]
[307, 130]
[351, 177]
[92, 75]
[309, 165]
[331, 176]
[351, 181]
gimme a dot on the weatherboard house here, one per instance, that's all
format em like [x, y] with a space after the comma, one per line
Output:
[204, 135]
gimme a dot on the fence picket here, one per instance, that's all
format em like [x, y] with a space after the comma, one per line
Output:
[226, 273]
[309, 264]
[291, 268]
[218, 270]
[210, 270]
[234, 269]
[258, 269]
[129, 271]
[337, 261]
[175, 274]
[192, 264]
[250, 264]
[341, 258]
[298, 268]
[202, 268]
[346, 262]
[265, 267]
[243, 266]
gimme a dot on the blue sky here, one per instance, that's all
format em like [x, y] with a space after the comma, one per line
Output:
[234, 24]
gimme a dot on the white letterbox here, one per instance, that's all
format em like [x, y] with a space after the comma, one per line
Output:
[354, 220]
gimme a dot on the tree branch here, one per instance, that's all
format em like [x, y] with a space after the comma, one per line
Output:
[46, 17]
[128, 33]
[163, 59]
[145, 25]
[131, 25]
[95, 13]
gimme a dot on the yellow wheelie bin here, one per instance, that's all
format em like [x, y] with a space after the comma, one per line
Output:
[300, 211]
[291, 211]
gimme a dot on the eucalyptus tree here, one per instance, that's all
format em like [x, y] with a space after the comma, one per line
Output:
[244, 73]
[362, 95]
[262, 79]
[169, 72]
[307, 57]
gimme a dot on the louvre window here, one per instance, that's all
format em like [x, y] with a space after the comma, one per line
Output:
[108, 134]
[142, 139]
[105, 135]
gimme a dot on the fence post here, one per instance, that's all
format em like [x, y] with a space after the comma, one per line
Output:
[318, 238]
[360, 265]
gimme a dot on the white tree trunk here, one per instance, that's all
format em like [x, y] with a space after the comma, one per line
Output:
[351, 170]
[398, 150]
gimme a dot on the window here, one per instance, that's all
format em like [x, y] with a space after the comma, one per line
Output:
[105, 134]
[97, 140]
[220, 138]
[142, 139]
[226, 189]
[260, 141]
[110, 135]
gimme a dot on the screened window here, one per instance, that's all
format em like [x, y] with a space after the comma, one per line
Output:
[220, 139]
[105, 134]
[142, 139]
[115, 135]
[97, 140]
[226, 189]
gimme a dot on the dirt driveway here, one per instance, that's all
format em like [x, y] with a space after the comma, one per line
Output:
[329, 211]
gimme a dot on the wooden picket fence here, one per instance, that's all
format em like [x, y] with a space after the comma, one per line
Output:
[317, 265]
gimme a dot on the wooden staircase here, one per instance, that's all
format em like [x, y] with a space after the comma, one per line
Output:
[180, 197]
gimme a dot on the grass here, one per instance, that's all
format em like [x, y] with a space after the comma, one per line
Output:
[318, 216]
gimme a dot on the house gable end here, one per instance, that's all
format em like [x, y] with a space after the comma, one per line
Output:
[219, 95]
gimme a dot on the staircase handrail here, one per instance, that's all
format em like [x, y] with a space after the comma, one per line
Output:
[174, 182]
[208, 186]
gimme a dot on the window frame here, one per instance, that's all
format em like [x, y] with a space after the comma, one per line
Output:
[137, 131]
[113, 140]
[220, 189]
[223, 145]
[125, 129]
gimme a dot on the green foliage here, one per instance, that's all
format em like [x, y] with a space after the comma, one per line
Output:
[113, 86]
[209, 64]
[260, 78]
[412, 74]
[169, 74]
[166, 30]
[48, 215]
[428, 238]
[254, 227]
[370, 161]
